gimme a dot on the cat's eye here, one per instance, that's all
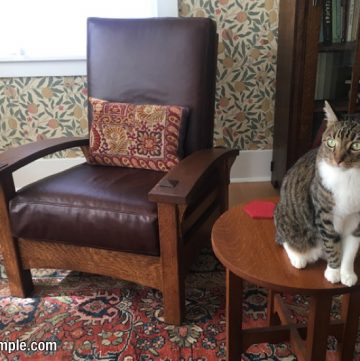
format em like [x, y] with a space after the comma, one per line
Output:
[331, 142]
[355, 146]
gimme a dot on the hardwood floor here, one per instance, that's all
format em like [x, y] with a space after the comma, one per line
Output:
[244, 192]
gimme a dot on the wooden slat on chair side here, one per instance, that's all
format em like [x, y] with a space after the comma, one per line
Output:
[193, 215]
[141, 269]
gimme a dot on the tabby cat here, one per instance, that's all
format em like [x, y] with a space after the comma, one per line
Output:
[318, 215]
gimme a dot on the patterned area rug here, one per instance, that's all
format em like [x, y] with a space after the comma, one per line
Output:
[98, 318]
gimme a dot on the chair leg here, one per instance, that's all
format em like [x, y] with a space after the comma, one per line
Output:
[173, 284]
[20, 281]
[174, 299]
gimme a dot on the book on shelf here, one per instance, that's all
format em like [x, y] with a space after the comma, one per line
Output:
[350, 16]
[344, 7]
[339, 21]
[330, 75]
[336, 21]
[327, 22]
[325, 87]
[355, 22]
[320, 74]
[352, 19]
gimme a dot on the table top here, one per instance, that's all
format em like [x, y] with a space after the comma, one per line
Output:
[247, 247]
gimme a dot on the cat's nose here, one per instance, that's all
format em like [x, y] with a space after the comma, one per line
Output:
[340, 162]
[339, 158]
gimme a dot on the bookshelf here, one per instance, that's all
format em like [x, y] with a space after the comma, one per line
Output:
[323, 48]
[309, 70]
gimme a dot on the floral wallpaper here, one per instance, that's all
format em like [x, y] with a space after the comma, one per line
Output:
[44, 107]
[246, 68]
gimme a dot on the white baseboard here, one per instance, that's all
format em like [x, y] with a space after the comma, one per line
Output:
[252, 166]
[249, 166]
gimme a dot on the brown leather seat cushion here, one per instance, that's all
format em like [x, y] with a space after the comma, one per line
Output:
[88, 205]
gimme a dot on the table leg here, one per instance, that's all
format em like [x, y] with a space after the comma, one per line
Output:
[350, 315]
[234, 297]
[318, 327]
[271, 318]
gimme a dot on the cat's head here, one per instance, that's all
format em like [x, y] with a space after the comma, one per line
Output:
[340, 141]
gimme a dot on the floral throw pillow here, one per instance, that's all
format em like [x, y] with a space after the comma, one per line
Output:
[137, 136]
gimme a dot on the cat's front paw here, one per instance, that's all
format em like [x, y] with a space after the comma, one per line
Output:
[298, 262]
[348, 278]
[332, 274]
[297, 259]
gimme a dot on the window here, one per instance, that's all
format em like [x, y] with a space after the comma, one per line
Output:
[45, 39]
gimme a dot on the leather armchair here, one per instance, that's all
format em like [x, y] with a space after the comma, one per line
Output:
[140, 225]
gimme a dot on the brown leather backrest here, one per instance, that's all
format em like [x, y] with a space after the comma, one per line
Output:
[157, 61]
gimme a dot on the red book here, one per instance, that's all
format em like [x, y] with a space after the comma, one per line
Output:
[260, 209]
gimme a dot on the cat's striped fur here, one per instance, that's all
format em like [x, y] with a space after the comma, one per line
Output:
[318, 214]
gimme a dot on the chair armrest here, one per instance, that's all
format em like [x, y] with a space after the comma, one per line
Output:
[15, 158]
[180, 183]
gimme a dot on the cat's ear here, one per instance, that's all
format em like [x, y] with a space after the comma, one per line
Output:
[330, 115]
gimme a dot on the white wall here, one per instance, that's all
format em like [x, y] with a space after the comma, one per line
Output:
[250, 166]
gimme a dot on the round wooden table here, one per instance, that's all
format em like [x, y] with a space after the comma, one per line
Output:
[247, 248]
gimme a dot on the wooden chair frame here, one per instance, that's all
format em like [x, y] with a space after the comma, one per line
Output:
[189, 199]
